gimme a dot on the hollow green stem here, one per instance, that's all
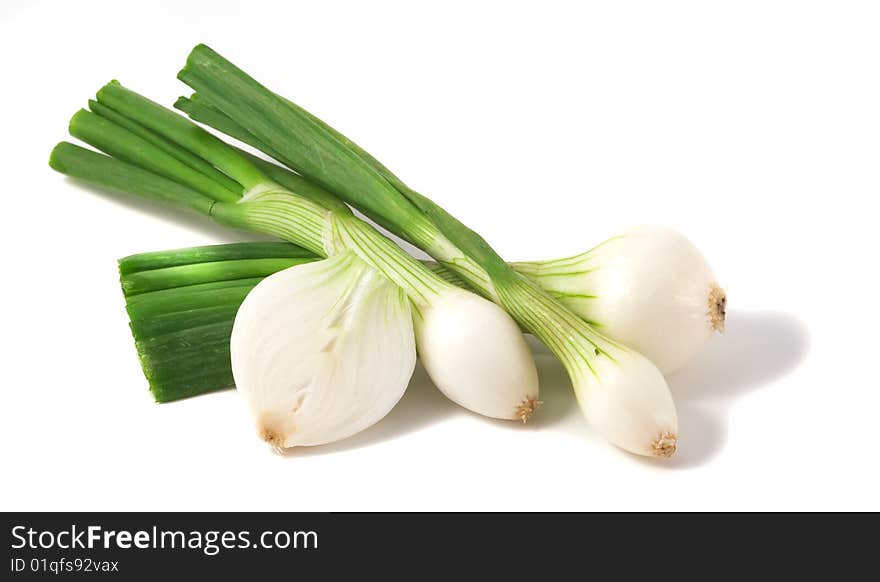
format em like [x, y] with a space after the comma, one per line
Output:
[171, 277]
[180, 131]
[121, 143]
[181, 154]
[227, 253]
[201, 110]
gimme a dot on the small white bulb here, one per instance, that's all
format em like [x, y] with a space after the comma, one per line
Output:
[476, 355]
[626, 399]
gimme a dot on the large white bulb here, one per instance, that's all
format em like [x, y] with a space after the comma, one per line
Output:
[322, 351]
[649, 288]
[657, 294]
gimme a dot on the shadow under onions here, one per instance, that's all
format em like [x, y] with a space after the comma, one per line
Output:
[757, 348]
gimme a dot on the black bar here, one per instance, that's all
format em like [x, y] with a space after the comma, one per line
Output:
[329, 545]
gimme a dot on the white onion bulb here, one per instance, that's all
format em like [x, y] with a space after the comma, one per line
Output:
[476, 355]
[649, 288]
[322, 351]
[625, 398]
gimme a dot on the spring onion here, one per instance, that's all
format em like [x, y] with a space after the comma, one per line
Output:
[319, 224]
[622, 393]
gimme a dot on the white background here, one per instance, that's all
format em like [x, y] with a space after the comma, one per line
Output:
[753, 127]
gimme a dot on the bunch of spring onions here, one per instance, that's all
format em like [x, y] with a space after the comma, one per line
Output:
[320, 336]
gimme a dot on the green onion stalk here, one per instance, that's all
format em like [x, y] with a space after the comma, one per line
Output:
[622, 393]
[353, 311]
[182, 304]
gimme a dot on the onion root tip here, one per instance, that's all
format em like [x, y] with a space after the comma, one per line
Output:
[527, 408]
[717, 308]
[664, 446]
[274, 438]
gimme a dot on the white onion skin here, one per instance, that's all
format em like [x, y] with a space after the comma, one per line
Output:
[477, 356]
[627, 401]
[649, 288]
[322, 351]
